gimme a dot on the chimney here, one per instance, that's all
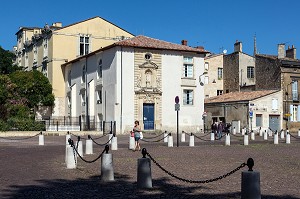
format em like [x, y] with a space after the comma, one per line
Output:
[291, 52]
[184, 42]
[238, 47]
[281, 51]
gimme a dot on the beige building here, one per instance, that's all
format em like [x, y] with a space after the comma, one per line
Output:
[213, 79]
[47, 48]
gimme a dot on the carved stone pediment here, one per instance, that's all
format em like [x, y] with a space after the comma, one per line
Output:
[149, 64]
[145, 90]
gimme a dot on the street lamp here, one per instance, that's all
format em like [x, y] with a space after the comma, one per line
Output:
[200, 82]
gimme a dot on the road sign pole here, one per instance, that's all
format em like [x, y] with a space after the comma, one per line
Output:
[177, 128]
[177, 108]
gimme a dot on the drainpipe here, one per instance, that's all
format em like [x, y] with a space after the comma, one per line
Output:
[86, 97]
[121, 114]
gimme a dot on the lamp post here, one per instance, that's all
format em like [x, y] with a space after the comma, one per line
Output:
[202, 84]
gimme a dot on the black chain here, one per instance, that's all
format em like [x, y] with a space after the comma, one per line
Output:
[237, 135]
[100, 137]
[87, 161]
[153, 137]
[104, 143]
[294, 136]
[197, 181]
[201, 138]
[6, 138]
[202, 135]
[155, 140]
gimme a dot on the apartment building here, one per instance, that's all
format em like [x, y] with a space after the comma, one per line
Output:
[138, 79]
[47, 48]
[282, 72]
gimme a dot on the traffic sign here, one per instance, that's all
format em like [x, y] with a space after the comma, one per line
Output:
[176, 99]
[177, 107]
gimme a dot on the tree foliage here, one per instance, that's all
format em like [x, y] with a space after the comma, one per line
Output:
[6, 62]
[33, 86]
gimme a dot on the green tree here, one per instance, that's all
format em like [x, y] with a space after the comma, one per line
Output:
[6, 62]
[33, 86]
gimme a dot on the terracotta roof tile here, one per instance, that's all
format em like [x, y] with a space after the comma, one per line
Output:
[239, 96]
[147, 42]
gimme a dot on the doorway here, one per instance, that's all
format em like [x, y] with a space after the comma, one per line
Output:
[148, 116]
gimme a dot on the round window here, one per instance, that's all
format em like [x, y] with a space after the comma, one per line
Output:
[148, 56]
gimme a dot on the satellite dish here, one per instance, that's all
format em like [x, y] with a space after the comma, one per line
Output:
[224, 51]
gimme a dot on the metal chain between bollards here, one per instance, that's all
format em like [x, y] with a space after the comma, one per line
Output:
[239, 136]
[196, 181]
[153, 137]
[100, 137]
[6, 138]
[293, 136]
[90, 161]
[104, 143]
[201, 138]
[155, 140]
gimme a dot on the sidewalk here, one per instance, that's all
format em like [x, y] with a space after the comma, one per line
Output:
[31, 171]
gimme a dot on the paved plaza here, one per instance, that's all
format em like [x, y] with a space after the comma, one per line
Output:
[32, 171]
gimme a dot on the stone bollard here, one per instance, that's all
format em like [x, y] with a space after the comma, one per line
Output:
[89, 145]
[79, 147]
[71, 158]
[288, 138]
[227, 139]
[270, 132]
[107, 170]
[212, 136]
[234, 131]
[165, 136]
[114, 143]
[282, 134]
[41, 139]
[110, 138]
[250, 183]
[265, 135]
[170, 140]
[144, 177]
[131, 143]
[246, 139]
[68, 136]
[252, 135]
[276, 137]
[260, 132]
[299, 133]
[192, 140]
[182, 136]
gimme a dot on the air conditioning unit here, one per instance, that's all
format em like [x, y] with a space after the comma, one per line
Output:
[99, 101]
[83, 103]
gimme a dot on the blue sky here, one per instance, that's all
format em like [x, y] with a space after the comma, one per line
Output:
[214, 24]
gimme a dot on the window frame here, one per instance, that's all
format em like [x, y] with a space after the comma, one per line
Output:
[187, 99]
[250, 72]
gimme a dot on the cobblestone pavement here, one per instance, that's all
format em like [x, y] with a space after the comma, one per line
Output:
[28, 170]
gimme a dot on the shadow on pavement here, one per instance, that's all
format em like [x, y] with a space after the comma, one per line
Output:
[93, 188]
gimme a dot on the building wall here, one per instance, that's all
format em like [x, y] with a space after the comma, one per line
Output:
[231, 72]
[235, 71]
[239, 111]
[263, 107]
[123, 84]
[214, 83]
[63, 46]
[268, 73]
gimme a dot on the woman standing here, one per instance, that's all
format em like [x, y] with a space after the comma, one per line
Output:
[137, 135]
